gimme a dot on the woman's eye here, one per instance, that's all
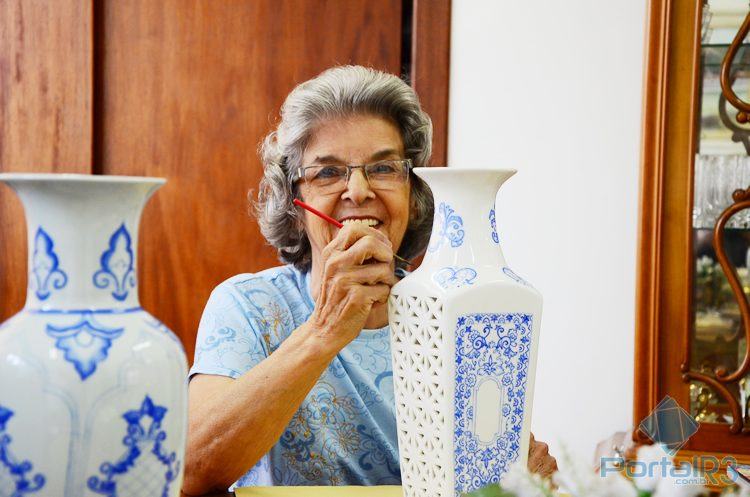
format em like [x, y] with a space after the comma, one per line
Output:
[327, 172]
[383, 168]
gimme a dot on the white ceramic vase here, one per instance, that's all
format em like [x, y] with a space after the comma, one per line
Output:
[93, 389]
[464, 335]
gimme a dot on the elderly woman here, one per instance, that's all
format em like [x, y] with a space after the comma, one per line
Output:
[292, 381]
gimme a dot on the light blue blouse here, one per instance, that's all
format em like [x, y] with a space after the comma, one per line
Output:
[344, 433]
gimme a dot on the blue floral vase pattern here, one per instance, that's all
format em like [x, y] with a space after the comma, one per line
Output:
[493, 227]
[509, 272]
[117, 265]
[145, 468]
[455, 277]
[448, 228]
[15, 480]
[46, 266]
[85, 344]
[489, 347]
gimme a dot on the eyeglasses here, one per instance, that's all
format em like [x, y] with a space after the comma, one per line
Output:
[333, 178]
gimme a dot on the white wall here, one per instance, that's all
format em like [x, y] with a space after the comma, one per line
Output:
[553, 89]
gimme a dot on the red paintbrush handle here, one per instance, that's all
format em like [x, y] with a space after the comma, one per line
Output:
[315, 211]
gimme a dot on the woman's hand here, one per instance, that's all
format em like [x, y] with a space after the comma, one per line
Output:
[539, 459]
[357, 274]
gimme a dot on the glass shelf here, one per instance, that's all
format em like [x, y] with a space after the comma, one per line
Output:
[713, 55]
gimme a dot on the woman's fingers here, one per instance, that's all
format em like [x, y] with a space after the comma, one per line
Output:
[356, 244]
[342, 274]
[349, 234]
[366, 248]
[540, 461]
[364, 296]
[374, 274]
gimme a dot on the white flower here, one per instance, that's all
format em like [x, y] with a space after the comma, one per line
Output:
[575, 477]
[616, 485]
[652, 464]
[522, 483]
[580, 480]
[679, 483]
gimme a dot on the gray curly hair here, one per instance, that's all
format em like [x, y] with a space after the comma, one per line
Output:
[339, 92]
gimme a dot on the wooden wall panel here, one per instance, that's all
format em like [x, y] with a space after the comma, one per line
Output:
[45, 106]
[430, 68]
[187, 91]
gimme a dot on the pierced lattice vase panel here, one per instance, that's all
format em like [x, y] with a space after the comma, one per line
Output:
[422, 401]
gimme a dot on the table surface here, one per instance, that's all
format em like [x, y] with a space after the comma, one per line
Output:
[344, 491]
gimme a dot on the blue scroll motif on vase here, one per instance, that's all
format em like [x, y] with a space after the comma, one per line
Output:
[509, 272]
[45, 266]
[117, 265]
[493, 227]
[15, 480]
[85, 344]
[146, 468]
[454, 277]
[497, 347]
[448, 228]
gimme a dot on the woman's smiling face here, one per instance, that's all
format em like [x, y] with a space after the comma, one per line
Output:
[355, 140]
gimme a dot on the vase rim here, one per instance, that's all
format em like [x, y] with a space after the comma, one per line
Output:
[84, 178]
[447, 169]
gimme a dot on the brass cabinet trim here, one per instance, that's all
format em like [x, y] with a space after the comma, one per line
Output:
[741, 202]
[743, 114]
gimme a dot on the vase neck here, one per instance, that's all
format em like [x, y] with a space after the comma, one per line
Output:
[464, 229]
[82, 239]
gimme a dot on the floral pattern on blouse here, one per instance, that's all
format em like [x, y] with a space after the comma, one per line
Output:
[344, 433]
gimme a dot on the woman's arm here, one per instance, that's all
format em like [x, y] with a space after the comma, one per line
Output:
[233, 423]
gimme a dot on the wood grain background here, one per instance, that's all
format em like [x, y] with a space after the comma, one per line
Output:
[185, 89]
[45, 101]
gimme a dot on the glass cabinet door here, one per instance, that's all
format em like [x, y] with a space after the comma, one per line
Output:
[718, 349]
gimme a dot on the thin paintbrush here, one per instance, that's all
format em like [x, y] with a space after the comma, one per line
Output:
[331, 220]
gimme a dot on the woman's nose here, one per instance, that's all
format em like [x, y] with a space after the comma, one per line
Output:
[358, 188]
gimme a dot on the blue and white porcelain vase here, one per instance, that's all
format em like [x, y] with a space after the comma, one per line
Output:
[93, 389]
[464, 335]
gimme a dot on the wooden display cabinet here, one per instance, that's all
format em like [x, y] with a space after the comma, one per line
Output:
[693, 317]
